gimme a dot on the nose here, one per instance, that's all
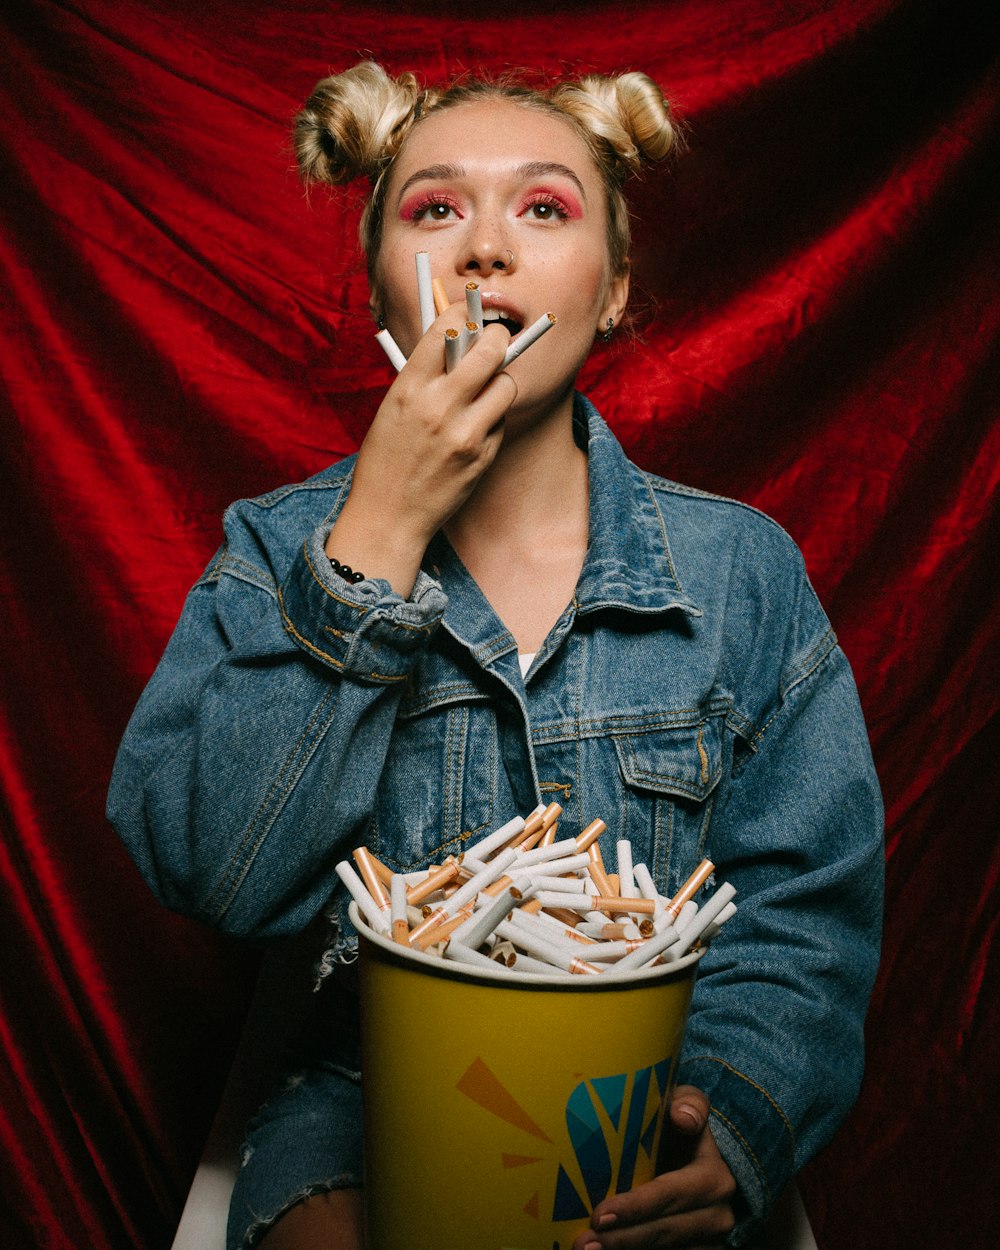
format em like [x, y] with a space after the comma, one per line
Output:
[487, 253]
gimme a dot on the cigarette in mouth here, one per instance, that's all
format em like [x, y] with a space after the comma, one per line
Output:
[391, 349]
[528, 336]
[473, 303]
[425, 291]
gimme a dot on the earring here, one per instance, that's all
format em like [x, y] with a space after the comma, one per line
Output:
[605, 334]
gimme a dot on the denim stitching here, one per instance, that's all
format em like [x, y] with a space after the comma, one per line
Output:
[760, 1090]
[239, 864]
[762, 1175]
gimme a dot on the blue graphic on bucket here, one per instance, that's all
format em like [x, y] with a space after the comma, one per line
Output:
[609, 1118]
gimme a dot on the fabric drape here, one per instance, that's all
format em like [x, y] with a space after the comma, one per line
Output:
[815, 282]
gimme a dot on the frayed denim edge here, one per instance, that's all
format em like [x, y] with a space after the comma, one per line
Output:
[262, 1225]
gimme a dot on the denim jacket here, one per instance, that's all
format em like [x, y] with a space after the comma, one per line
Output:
[692, 695]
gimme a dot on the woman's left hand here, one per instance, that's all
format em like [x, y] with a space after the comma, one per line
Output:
[691, 1205]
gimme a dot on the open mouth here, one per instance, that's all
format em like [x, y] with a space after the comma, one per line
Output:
[514, 327]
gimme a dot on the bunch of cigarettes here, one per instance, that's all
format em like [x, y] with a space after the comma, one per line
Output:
[433, 302]
[536, 904]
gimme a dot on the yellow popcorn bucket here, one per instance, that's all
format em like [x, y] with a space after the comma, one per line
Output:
[499, 1108]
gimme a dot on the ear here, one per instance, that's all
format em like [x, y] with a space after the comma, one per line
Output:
[614, 304]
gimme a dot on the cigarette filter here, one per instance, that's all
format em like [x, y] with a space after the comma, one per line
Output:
[691, 886]
[440, 296]
[369, 875]
[375, 916]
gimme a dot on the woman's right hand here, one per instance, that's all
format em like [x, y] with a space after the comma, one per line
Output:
[433, 437]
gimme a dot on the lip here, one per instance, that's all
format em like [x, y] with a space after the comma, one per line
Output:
[494, 302]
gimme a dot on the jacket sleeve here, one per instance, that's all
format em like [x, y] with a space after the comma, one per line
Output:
[251, 762]
[775, 1037]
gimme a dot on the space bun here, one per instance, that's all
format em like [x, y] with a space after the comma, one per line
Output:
[354, 123]
[628, 113]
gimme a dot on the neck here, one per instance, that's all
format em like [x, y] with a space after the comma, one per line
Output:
[537, 482]
[523, 532]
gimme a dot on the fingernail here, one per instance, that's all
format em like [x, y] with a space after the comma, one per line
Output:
[592, 1245]
[607, 1220]
[688, 1115]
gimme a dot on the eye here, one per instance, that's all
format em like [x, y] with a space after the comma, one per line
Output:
[545, 207]
[432, 209]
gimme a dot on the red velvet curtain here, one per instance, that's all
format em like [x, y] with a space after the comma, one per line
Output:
[180, 326]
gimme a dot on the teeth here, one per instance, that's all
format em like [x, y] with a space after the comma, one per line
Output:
[489, 315]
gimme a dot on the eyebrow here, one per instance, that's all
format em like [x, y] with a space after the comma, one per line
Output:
[530, 169]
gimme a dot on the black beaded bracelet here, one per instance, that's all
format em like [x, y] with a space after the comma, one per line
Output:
[345, 571]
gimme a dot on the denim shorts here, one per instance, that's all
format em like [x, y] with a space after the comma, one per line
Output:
[307, 1138]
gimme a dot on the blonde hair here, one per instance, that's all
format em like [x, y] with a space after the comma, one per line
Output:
[355, 124]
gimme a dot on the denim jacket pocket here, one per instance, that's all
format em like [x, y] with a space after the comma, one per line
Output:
[670, 781]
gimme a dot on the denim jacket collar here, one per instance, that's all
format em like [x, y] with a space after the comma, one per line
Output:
[628, 562]
[628, 565]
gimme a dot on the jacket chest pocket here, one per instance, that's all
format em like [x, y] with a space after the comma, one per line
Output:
[439, 784]
[670, 785]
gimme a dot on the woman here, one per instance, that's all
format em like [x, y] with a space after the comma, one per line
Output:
[535, 618]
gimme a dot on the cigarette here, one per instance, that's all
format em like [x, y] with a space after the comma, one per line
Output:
[647, 887]
[590, 835]
[560, 885]
[473, 302]
[565, 849]
[366, 904]
[503, 953]
[432, 882]
[369, 875]
[525, 339]
[468, 335]
[440, 931]
[707, 914]
[531, 826]
[425, 291]
[686, 913]
[452, 350]
[391, 349]
[440, 296]
[466, 955]
[691, 886]
[626, 882]
[399, 912]
[478, 928]
[648, 951]
[595, 902]
[597, 873]
[712, 932]
[466, 893]
[548, 952]
[494, 841]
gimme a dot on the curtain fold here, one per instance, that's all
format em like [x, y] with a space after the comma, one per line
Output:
[180, 326]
